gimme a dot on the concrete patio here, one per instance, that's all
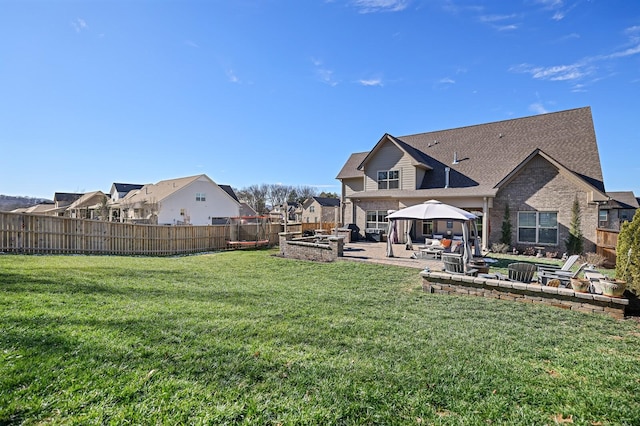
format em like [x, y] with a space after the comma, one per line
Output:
[369, 251]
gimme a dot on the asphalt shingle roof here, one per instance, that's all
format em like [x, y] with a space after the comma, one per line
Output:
[623, 200]
[327, 202]
[488, 152]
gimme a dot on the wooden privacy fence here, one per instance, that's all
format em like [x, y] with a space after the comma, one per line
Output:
[301, 227]
[606, 242]
[36, 234]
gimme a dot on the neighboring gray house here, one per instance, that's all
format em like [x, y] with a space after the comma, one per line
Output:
[537, 165]
[620, 208]
[320, 210]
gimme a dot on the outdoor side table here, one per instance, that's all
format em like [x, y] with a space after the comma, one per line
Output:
[432, 251]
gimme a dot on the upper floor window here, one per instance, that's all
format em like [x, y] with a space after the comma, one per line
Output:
[201, 196]
[312, 209]
[538, 227]
[389, 179]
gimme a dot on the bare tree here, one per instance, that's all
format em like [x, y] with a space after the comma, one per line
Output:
[263, 195]
[103, 209]
[151, 209]
[328, 194]
[255, 196]
[301, 193]
[278, 194]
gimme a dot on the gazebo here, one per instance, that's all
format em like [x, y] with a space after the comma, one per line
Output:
[435, 210]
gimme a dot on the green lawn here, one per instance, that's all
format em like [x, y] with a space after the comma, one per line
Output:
[249, 338]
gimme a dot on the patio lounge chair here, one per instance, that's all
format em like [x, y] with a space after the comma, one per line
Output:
[546, 270]
[454, 264]
[564, 276]
[522, 272]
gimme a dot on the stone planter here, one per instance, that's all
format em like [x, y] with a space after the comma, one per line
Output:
[580, 285]
[613, 288]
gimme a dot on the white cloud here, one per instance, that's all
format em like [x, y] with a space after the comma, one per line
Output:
[627, 52]
[553, 73]
[633, 32]
[559, 8]
[231, 75]
[444, 83]
[558, 73]
[500, 22]
[579, 88]
[373, 6]
[569, 37]
[585, 67]
[496, 18]
[324, 74]
[371, 82]
[79, 25]
[510, 27]
[538, 108]
[191, 43]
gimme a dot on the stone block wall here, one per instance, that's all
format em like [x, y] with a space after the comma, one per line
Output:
[443, 283]
[307, 249]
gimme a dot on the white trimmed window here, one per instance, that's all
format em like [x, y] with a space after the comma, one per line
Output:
[377, 219]
[603, 218]
[201, 196]
[538, 227]
[389, 179]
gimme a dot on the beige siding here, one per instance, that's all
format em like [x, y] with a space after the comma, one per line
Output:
[353, 185]
[390, 157]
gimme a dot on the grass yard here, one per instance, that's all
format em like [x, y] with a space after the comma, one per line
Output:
[248, 338]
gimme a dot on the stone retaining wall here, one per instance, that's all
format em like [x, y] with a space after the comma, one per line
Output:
[308, 249]
[440, 282]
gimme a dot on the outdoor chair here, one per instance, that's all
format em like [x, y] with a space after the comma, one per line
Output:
[454, 264]
[522, 272]
[545, 270]
[544, 277]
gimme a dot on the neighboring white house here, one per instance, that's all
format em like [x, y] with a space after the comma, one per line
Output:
[87, 206]
[193, 200]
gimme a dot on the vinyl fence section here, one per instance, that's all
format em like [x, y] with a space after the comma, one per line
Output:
[36, 234]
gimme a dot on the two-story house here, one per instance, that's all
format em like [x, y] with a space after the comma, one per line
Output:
[320, 209]
[192, 200]
[536, 165]
[620, 208]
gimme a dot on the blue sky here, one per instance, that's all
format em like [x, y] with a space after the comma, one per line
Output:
[250, 92]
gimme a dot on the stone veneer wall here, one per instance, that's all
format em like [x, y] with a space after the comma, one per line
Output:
[306, 249]
[440, 282]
